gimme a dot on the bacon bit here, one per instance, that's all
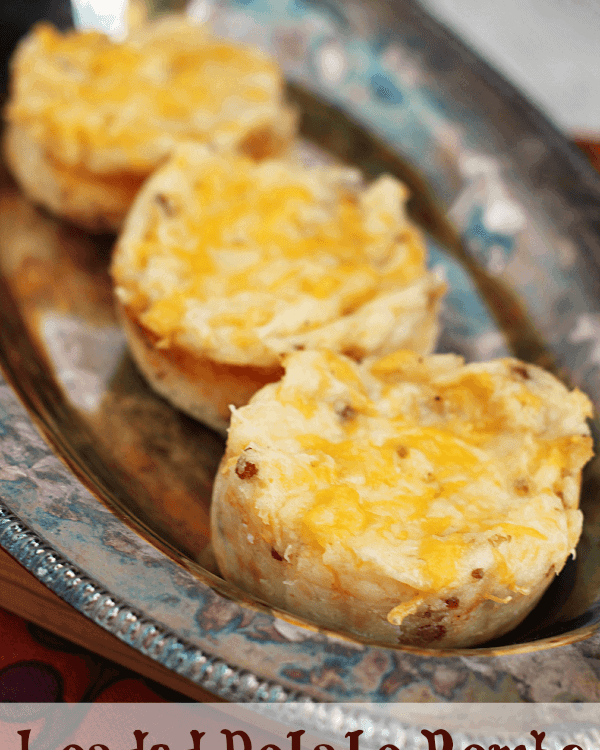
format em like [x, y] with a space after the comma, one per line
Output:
[477, 573]
[497, 599]
[429, 633]
[275, 555]
[346, 412]
[521, 487]
[259, 144]
[245, 469]
[355, 352]
[452, 603]
[521, 372]
[166, 204]
[438, 405]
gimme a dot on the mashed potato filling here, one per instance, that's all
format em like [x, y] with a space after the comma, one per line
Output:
[109, 107]
[243, 261]
[419, 469]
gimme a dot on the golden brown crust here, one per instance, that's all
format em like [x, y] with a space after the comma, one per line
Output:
[93, 202]
[197, 385]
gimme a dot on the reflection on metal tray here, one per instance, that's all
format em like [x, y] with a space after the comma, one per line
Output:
[517, 249]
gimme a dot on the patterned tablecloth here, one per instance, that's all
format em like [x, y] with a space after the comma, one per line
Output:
[37, 666]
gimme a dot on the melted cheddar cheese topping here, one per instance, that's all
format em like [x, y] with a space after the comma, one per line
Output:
[421, 467]
[246, 260]
[113, 106]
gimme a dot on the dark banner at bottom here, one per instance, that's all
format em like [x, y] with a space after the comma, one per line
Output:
[299, 726]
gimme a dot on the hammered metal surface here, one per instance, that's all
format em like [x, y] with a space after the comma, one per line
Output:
[510, 210]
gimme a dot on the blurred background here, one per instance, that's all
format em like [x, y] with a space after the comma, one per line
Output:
[548, 48]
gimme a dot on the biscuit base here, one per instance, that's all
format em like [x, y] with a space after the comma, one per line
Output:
[351, 601]
[199, 386]
[93, 202]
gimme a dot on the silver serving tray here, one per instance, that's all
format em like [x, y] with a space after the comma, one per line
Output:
[109, 508]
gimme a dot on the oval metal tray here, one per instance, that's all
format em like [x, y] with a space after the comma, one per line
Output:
[120, 532]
